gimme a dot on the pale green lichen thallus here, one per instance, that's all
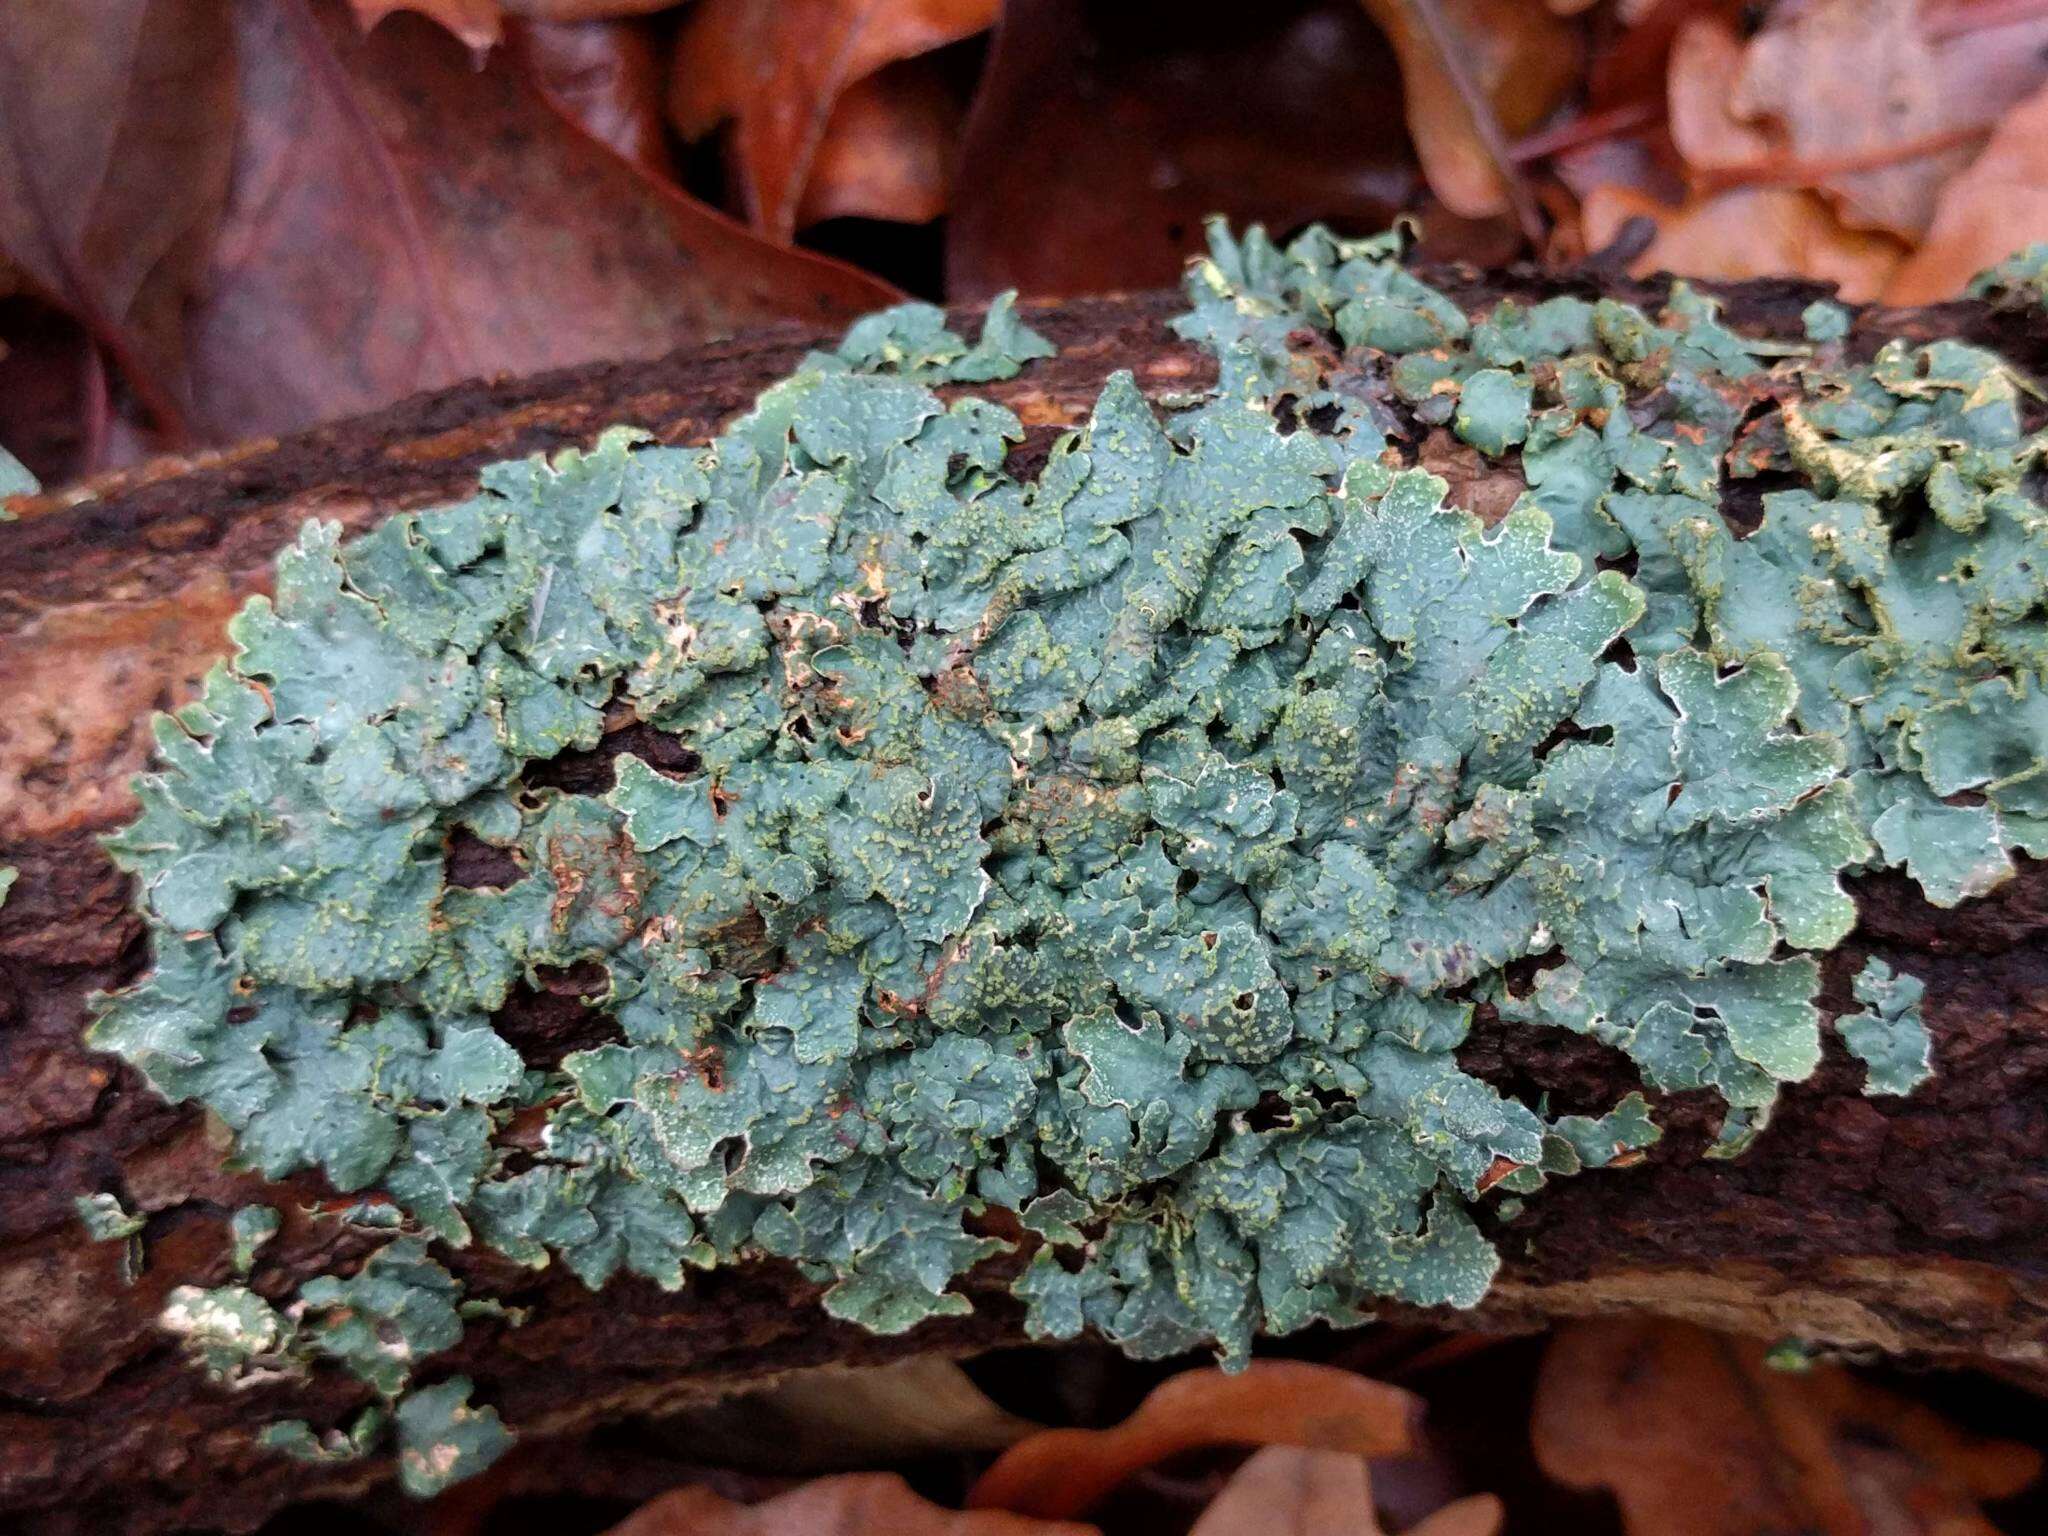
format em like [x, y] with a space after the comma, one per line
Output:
[1129, 847]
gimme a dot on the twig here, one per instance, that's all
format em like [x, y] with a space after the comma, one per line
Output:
[1590, 128]
[1784, 171]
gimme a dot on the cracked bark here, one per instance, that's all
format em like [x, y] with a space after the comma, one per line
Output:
[1916, 1227]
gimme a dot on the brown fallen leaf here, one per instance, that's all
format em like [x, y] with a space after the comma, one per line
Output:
[1876, 106]
[1996, 206]
[1746, 232]
[1697, 1436]
[114, 163]
[1102, 135]
[856, 1504]
[1524, 58]
[1061, 1472]
[607, 77]
[1707, 57]
[401, 219]
[834, 1418]
[887, 152]
[778, 68]
[1287, 1490]
[480, 23]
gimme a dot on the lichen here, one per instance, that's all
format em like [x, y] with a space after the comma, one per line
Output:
[1132, 848]
[249, 1229]
[106, 1220]
[1889, 1036]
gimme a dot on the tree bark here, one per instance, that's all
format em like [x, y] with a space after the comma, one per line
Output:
[1915, 1226]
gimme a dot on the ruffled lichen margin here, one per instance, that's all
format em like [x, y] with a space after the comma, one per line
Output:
[1108, 865]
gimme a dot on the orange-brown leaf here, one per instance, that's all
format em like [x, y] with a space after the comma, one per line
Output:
[1290, 1490]
[1747, 232]
[1523, 57]
[1697, 1436]
[1271, 1402]
[606, 77]
[1706, 60]
[855, 1504]
[1994, 208]
[888, 149]
[779, 67]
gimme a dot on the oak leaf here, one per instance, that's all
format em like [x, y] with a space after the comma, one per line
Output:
[1995, 207]
[778, 68]
[1698, 1436]
[1062, 1472]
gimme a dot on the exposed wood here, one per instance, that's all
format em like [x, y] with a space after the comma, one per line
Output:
[1918, 1227]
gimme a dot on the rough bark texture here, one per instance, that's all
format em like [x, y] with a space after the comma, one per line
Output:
[1916, 1226]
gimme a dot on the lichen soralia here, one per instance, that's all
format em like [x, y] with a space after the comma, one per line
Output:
[1010, 844]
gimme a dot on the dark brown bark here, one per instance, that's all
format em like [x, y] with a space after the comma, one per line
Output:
[1916, 1226]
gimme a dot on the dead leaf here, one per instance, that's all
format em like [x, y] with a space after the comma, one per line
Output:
[1696, 1436]
[119, 130]
[857, 1504]
[1483, 486]
[400, 219]
[1862, 84]
[888, 148]
[778, 68]
[479, 23]
[1707, 58]
[1480, 1514]
[1523, 57]
[1102, 135]
[1287, 1490]
[607, 77]
[1747, 232]
[476, 22]
[835, 1417]
[1991, 210]
[1061, 1472]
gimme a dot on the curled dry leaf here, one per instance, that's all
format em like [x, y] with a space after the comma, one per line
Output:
[778, 68]
[119, 129]
[480, 23]
[1522, 57]
[400, 219]
[1697, 1436]
[1876, 111]
[1287, 1490]
[1062, 1472]
[1996, 207]
[888, 149]
[837, 1417]
[607, 78]
[1746, 232]
[856, 1504]
[1706, 62]
[1102, 135]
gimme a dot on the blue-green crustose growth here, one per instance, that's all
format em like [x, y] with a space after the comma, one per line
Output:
[1016, 840]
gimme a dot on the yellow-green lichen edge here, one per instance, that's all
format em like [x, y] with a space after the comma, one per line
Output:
[1024, 838]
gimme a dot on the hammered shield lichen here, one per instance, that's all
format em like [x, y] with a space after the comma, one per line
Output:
[1130, 847]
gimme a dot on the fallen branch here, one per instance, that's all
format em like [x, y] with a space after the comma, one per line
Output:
[1915, 1226]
